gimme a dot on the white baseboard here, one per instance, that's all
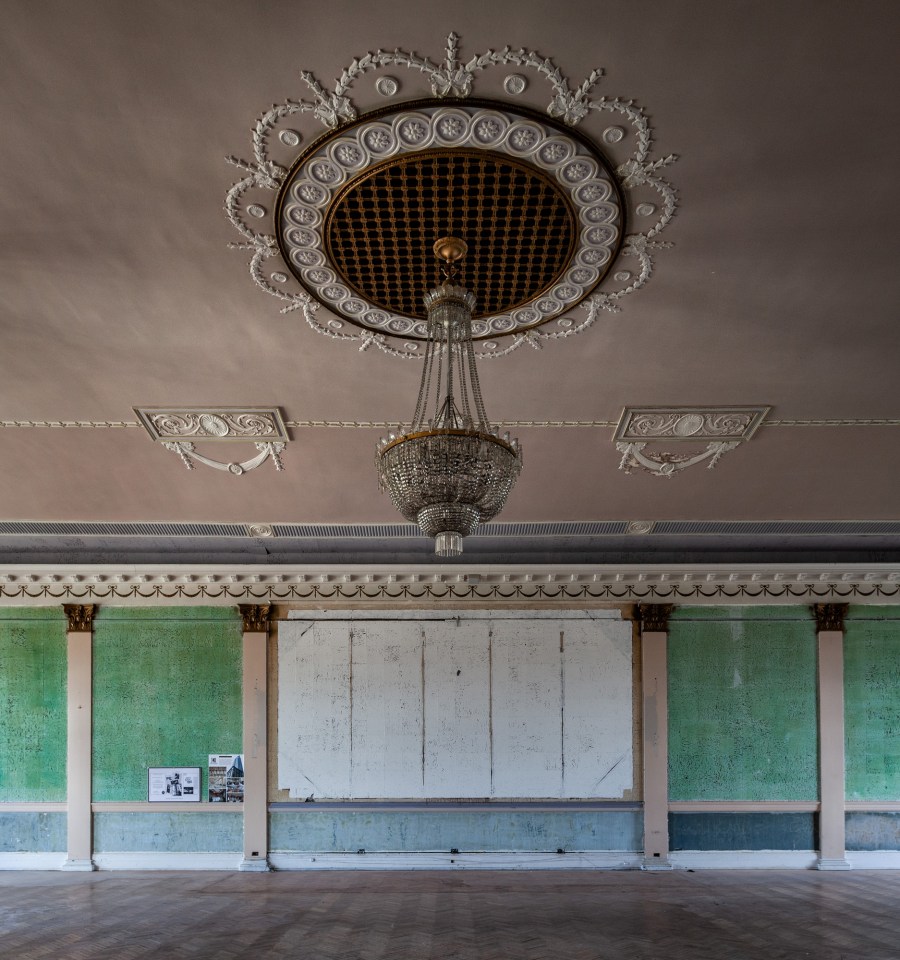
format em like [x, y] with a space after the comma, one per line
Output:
[604, 860]
[32, 861]
[874, 859]
[152, 860]
[744, 859]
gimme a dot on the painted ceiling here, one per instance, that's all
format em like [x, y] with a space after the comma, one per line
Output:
[779, 289]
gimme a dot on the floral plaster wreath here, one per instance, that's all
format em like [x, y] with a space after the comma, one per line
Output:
[637, 176]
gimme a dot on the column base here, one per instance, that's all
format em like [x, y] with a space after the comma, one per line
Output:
[254, 865]
[83, 866]
[656, 863]
[835, 864]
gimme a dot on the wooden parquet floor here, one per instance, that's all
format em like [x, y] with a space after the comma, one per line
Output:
[721, 915]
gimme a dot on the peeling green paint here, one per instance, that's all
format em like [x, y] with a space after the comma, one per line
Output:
[167, 692]
[32, 708]
[742, 710]
[872, 709]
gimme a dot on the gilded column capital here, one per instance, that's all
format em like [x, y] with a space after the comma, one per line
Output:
[255, 617]
[654, 617]
[830, 616]
[80, 617]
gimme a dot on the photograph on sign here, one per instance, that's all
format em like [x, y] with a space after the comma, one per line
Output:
[226, 778]
[171, 784]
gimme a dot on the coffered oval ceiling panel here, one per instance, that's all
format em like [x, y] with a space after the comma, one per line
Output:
[537, 206]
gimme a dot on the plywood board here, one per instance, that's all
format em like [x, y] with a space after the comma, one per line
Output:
[441, 709]
[386, 720]
[457, 709]
[526, 697]
[314, 708]
[597, 715]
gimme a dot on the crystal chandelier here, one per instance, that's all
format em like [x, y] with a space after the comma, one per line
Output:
[450, 470]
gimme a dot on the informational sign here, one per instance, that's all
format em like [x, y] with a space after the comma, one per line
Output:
[226, 778]
[173, 784]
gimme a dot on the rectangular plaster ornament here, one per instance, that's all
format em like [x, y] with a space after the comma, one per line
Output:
[254, 424]
[678, 424]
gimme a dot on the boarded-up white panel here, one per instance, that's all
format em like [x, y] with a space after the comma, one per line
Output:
[314, 708]
[457, 709]
[386, 756]
[597, 745]
[526, 709]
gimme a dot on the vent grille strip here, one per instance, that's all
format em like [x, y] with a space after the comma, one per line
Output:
[397, 531]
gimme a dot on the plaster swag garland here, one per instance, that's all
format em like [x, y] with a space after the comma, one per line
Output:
[449, 78]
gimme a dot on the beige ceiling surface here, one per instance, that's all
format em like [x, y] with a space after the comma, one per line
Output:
[118, 289]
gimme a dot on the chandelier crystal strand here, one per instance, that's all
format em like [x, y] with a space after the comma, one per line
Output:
[450, 470]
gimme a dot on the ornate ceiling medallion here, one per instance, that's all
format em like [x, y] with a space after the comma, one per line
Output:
[541, 206]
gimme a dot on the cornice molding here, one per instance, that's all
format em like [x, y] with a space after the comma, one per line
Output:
[386, 586]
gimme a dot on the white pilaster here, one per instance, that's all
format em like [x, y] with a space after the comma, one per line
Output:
[79, 640]
[829, 625]
[655, 710]
[256, 843]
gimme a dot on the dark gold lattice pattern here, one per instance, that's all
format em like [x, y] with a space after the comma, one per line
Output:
[517, 224]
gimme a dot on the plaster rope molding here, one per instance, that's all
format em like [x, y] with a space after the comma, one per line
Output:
[452, 78]
[187, 452]
[381, 424]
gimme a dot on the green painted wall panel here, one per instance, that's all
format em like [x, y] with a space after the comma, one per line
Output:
[32, 832]
[167, 692]
[33, 708]
[416, 831]
[165, 831]
[742, 709]
[872, 709]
